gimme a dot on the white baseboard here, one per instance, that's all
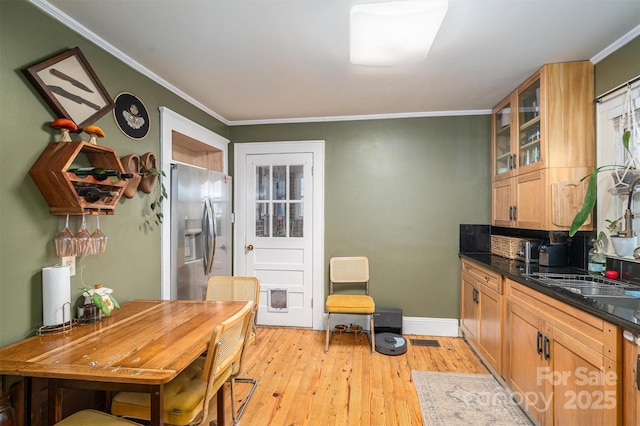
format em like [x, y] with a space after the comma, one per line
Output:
[443, 327]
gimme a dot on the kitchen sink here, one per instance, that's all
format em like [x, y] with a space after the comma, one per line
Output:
[624, 302]
[586, 285]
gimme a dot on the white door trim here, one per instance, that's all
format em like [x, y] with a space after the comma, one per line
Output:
[241, 150]
[170, 121]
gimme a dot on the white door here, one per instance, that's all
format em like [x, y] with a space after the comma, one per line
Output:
[276, 223]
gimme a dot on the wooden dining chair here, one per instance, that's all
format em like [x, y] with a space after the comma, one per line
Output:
[349, 271]
[229, 288]
[94, 418]
[187, 397]
[224, 288]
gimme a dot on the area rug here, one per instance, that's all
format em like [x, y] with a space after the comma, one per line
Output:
[465, 399]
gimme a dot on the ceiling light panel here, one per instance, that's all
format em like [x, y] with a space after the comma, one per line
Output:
[394, 33]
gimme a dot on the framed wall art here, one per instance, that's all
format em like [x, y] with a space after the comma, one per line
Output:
[131, 116]
[71, 87]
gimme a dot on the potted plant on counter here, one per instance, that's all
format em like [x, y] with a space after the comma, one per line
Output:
[624, 176]
[623, 245]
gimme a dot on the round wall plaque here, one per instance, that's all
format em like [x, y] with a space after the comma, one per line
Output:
[131, 116]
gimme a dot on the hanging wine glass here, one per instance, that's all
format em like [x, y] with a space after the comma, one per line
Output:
[84, 243]
[64, 242]
[99, 239]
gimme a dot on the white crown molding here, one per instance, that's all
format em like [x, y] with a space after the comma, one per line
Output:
[361, 117]
[616, 45]
[74, 25]
[85, 32]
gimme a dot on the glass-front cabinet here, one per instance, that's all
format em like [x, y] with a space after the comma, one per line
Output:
[542, 145]
[529, 136]
[504, 154]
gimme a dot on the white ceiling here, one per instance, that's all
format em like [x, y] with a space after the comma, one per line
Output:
[250, 61]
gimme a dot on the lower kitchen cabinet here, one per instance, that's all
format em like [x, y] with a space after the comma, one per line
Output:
[631, 379]
[482, 312]
[563, 364]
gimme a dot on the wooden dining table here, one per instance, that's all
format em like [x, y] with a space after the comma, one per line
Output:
[140, 347]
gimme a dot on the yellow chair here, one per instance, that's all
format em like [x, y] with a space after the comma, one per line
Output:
[94, 418]
[238, 288]
[187, 397]
[343, 271]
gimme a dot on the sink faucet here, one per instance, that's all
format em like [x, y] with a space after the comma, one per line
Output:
[628, 215]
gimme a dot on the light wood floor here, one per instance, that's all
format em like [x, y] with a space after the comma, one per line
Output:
[301, 385]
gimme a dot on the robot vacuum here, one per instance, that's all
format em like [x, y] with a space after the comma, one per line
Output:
[390, 344]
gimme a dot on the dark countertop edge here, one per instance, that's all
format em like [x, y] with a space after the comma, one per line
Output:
[497, 264]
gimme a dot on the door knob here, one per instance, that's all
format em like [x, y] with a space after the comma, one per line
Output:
[250, 247]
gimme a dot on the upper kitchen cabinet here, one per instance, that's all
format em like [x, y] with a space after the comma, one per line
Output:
[544, 130]
[504, 150]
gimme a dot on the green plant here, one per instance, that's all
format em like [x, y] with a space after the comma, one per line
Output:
[613, 225]
[159, 195]
[591, 194]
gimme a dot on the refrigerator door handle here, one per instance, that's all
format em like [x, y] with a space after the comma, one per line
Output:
[209, 227]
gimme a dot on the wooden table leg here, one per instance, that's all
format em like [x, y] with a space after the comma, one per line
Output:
[157, 394]
[54, 394]
[220, 403]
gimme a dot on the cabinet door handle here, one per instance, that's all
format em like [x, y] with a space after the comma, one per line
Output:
[510, 212]
[515, 212]
[475, 295]
[486, 277]
[539, 343]
[638, 373]
[547, 355]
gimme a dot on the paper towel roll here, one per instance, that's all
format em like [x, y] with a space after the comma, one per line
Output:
[56, 295]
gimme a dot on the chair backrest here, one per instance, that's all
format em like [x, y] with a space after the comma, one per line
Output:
[349, 270]
[225, 348]
[234, 288]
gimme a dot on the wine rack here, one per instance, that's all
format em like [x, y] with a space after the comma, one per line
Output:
[50, 175]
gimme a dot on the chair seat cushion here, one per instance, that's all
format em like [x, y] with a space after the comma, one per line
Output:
[183, 397]
[350, 303]
[94, 418]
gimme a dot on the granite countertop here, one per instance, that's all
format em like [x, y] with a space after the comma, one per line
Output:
[516, 270]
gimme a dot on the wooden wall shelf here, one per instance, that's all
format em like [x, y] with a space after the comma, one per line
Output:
[50, 175]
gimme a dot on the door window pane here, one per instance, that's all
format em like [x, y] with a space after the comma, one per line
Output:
[262, 220]
[280, 220]
[296, 180]
[262, 183]
[279, 182]
[279, 201]
[296, 220]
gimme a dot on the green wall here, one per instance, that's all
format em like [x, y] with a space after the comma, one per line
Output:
[396, 191]
[619, 67]
[131, 265]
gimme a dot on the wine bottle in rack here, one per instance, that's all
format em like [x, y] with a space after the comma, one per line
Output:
[99, 173]
[93, 194]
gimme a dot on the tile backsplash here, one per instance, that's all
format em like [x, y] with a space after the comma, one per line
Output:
[475, 238]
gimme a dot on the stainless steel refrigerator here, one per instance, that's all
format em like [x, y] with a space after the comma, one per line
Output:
[200, 229]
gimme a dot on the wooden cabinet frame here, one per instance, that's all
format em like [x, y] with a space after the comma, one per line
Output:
[563, 363]
[546, 194]
[482, 312]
